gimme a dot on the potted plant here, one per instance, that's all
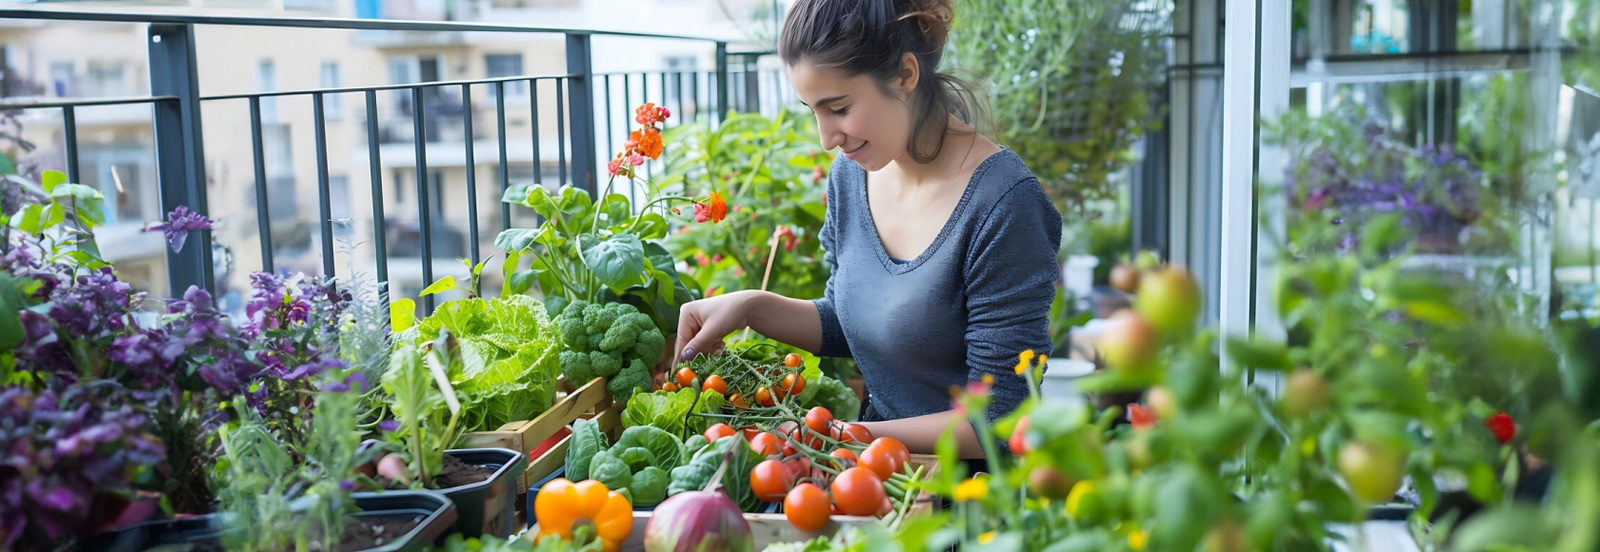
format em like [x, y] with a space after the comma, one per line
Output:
[428, 421]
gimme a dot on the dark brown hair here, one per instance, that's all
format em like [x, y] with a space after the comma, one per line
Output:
[871, 37]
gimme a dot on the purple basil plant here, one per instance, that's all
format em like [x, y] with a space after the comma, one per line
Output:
[61, 455]
[292, 322]
[1435, 189]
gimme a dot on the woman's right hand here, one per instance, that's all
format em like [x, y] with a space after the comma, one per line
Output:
[702, 324]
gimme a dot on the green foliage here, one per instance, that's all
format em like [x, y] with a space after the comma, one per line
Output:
[697, 473]
[1069, 83]
[508, 357]
[424, 404]
[586, 441]
[611, 470]
[833, 395]
[772, 172]
[631, 380]
[649, 486]
[663, 445]
[593, 252]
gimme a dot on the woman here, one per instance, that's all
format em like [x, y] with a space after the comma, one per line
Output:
[942, 243]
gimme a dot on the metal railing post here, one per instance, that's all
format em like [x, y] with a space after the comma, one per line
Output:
[722, 80]
[180, 158]
[580, 110]
[752, 83]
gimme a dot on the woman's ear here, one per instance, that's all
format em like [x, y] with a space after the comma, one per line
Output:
[910, 73]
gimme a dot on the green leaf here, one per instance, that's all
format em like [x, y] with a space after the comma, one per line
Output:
[55, 215]
[1386, 427]
[666, 411]
[1482, 483]
[7, 166]
[1257, 352]
[587, 440]
[402, 315]
[1380, 234]
[444, 284]
[11, 305]
[50, 179]
[574, 201]
[515, 240]
[651, 226]
[662, 444]
[520, 282]
[30, 220]
[617, 261]
[1514, 525]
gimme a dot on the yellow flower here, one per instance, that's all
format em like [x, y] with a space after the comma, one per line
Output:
[1137, 539]
[1081, 491]
[973, 489]
[986, 538]
[1024, 361]
[988, 379]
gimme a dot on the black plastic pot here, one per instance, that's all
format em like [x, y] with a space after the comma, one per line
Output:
[204, 533]
[488, 507]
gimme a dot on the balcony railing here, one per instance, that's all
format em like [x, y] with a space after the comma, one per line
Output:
[592, 111]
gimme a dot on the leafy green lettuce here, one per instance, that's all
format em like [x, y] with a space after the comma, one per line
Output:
[509, 358]
[670, 411]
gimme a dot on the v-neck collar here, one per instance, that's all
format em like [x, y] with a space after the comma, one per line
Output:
[871, 223]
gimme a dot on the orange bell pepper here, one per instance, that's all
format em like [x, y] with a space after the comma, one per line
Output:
[562, 505]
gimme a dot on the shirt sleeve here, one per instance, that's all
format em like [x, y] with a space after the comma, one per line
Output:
[1011, 275]
[833, 340]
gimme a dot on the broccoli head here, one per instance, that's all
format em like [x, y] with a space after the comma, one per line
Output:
[626, 330]
[635, 376]
[649, 345]
[576, 367]
[605, 364]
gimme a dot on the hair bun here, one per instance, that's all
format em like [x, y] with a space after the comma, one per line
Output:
[933, 18]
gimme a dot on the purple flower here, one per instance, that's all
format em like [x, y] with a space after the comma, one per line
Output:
[347, 486]
[179, 222]
[389, 426]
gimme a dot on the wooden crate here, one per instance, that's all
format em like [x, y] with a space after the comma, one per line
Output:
[590, 399]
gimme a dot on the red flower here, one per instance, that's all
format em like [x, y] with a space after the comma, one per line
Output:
[1141, 417]
[1503, 427]
[787, 236]
[614, 167]
[702, 212]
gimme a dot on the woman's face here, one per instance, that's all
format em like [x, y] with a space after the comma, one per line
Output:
[854, 114]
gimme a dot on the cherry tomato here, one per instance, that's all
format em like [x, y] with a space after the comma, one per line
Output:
[714, 383]
[793, 360]
[818, 420]
[718, 431]
[788, 448]
[886, 507]
[771, 480]
[807, 507]
[811, 440]
[670, 387]
[798, 467]
[738, 401]
[750, 432]
[858, 492]
[885, 456]
[764, 397]
[855, 433]
[685, 377]
[845, 459]
[792, 384]
[766, 444]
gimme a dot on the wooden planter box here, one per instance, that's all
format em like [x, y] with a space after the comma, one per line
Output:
[587, 401]
[765, 529]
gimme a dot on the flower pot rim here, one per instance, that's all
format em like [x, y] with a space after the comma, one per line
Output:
[510, 463]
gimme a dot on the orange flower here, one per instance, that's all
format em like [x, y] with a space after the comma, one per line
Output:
[719, 208]
[650, 143]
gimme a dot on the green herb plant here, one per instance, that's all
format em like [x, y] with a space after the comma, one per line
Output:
[417, 383]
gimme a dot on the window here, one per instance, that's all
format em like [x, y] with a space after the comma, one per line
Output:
[278, 159]
[63, 78]
[413, 70]
[506, 65]
[398, 179]
[339, 204]
[267, 81]
[104, 79]
[681, 72]
[332, 104]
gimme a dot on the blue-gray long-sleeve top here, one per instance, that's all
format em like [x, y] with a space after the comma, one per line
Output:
[965, 307]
